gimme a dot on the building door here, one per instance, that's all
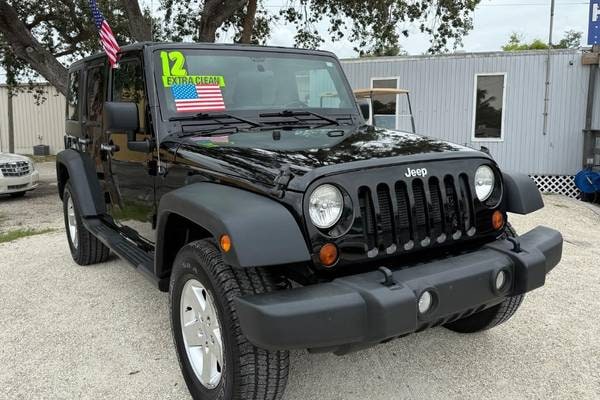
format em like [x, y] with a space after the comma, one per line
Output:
[132, 174]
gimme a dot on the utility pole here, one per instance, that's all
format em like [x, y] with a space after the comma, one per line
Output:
[11, 123]
[548, 70]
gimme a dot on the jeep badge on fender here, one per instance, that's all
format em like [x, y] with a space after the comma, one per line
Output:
[415, 172]
[277, 220]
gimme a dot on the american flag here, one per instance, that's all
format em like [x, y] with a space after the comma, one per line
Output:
[201, 97]
[107, 38]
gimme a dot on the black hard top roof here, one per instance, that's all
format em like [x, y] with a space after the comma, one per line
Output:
[204, 46]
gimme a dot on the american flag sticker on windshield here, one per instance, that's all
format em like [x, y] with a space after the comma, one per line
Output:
[201, 98]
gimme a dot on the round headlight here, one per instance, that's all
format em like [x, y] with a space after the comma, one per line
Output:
[484, 182]
[325, 206]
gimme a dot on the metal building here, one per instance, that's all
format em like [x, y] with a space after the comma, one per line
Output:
[494, 100]
[33, 124]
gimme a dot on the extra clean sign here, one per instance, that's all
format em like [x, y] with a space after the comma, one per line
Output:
[594, 27]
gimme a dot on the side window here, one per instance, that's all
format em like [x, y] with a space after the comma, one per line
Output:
[95, 93]
[128, 86]
[489, 106]
[128, 82]
[73, 97]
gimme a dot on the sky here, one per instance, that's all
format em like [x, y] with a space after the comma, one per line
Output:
[493, 23]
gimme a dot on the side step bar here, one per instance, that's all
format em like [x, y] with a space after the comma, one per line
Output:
[128, 251]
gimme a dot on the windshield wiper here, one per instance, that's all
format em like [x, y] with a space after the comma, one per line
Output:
[296, 114]
[216, 117]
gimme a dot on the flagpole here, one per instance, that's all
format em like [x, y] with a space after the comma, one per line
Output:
[548, 70]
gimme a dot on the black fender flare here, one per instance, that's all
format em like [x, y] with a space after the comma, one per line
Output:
[521, 195]
[84, 181]
[263, 232]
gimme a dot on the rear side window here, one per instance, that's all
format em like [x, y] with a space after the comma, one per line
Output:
[73, 96]
[95, 93]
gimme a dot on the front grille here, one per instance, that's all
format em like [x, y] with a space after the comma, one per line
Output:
[420, 213]
[17, 168]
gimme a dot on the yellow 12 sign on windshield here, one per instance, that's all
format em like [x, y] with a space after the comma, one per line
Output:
[174, 72]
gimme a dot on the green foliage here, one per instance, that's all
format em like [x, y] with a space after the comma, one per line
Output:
[572, 39]
[21, 233]
[375, 26]
[65, 28]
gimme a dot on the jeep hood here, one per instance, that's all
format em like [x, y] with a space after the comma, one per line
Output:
[263, 156]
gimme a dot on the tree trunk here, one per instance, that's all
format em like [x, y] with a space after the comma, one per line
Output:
[24, 46]
[248, 24]
[139, 28]
[214, 13]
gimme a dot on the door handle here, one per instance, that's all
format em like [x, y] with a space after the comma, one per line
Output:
[109, 148]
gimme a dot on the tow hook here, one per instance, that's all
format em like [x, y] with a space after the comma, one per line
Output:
[388, 277]
[516, 244]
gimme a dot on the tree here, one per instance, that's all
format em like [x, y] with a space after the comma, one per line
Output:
[36, 38]
[571, 40]
[39, 38]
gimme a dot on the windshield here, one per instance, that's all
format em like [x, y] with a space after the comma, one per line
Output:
[192, 81]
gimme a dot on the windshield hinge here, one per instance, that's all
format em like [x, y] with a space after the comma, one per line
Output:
[282, 180]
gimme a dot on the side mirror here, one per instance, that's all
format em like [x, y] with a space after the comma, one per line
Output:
[124, 117]
[121, 117]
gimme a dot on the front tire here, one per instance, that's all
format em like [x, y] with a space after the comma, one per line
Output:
[206, 329]
[492, 316]
[85, 248]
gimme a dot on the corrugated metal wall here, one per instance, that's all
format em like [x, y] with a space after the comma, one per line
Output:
[32, 122]
[442, 91]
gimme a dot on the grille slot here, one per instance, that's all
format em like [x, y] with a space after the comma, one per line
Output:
[15, 168]
[420, 213]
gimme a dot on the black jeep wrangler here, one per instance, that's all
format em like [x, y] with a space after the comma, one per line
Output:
[245, 182]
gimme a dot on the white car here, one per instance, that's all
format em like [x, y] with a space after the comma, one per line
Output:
[17, 175]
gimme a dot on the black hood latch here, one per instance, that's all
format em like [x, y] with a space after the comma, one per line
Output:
[281, 181]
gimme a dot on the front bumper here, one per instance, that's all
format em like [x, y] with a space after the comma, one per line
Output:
[9, 184]
[358, 310]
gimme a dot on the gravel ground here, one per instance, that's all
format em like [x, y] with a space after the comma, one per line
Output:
[71, 332]
[40, 209]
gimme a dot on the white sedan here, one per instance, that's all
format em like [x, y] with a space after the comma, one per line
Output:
[17, 175]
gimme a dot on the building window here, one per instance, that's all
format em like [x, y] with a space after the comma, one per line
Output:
[73, 97]
[488, 116]
[385, 106]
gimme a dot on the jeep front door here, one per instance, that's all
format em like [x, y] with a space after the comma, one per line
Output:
[132, 173]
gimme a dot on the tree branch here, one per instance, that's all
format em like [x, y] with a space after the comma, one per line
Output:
[139, 28]
[24, 46]
[248, 24]
[214, 13]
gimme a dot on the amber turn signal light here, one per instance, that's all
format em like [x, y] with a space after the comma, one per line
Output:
[225, 243]
[497, 220]
[328, 254]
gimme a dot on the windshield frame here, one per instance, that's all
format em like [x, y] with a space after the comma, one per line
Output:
[165, 115]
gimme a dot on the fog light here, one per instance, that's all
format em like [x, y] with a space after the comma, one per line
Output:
[425, 302]
[500, 280]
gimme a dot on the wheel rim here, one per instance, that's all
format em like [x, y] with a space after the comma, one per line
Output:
[72, 222]
[201, 333]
